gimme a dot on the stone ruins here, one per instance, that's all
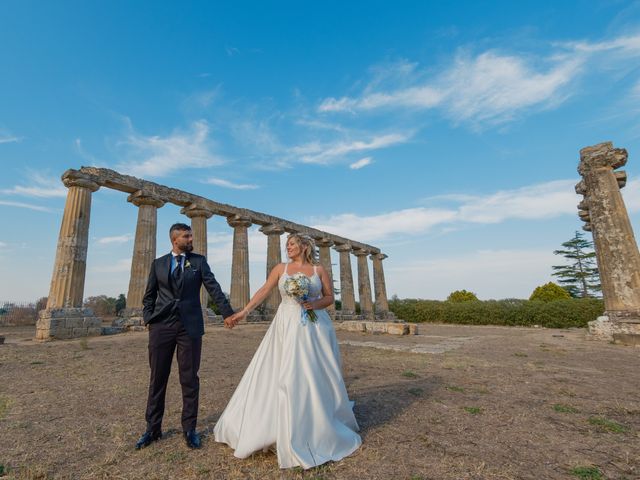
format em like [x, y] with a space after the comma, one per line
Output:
[65, 317]
[605, 216]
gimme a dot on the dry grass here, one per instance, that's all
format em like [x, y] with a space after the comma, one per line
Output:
[509, 404]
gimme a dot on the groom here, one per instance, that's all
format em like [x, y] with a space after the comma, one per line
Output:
[173, 313]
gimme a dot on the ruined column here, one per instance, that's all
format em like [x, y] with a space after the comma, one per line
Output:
[144, 252]
[240, 262]
[64, 316]
[364, 284]
[380, 288]
[199, 216]
[347, 297]
[616, 249]
[324, 246]
[274, 257]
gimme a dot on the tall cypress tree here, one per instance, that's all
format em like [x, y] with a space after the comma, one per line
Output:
[580, 275]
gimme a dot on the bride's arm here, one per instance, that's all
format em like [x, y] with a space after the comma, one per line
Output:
[262, 293]
[327, 292]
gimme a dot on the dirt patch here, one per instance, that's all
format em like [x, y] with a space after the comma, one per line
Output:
[474, 403]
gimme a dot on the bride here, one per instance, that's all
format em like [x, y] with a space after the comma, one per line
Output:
[292, 395]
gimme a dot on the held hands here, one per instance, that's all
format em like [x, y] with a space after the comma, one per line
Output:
[233, 320]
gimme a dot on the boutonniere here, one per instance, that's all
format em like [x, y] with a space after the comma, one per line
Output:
[187, 263]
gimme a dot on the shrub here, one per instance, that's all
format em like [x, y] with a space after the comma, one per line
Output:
[549, 292]
[461, 296]
[571, 312]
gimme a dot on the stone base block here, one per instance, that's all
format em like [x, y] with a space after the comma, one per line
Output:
[130, 317]
[625, 333]
[61, 323]
[391, 328]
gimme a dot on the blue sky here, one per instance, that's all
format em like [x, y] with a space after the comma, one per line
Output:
[445, 133]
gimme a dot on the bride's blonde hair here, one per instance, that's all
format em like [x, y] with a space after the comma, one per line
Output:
[307, 245]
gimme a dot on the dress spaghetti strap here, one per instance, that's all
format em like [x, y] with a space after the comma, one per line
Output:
[285, 268]
[315, 272]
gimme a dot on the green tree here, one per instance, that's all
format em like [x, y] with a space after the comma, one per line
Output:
[549, 292]
[121, 303]
[579, 276]
[461, 296]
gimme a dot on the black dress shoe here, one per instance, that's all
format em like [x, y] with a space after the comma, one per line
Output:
[147, 439]
[192, 439]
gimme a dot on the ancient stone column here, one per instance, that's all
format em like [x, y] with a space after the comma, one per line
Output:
[347, 297]
[324, 246]
[199, 216]
[380, 288]
[364, 284]
[615, 245]
[144, 252]
[64, 316]
[274, 257]
[240, 262]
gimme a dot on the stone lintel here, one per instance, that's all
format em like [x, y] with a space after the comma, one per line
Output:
[72, 178]
[361, 252]
[125, 183]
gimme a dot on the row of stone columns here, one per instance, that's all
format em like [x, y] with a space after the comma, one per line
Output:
[144, 252]
[64, 316]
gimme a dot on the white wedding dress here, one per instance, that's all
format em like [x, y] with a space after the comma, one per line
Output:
[292, 394]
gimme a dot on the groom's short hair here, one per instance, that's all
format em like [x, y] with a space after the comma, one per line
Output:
[181, 227]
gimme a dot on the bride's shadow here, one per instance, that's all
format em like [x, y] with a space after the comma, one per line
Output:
[375, 406]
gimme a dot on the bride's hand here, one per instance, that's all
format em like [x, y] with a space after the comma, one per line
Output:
[308, 305]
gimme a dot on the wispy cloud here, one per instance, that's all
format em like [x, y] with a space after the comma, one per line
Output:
[491, 87]
[9, 138]
[3, 245]
[363, 162]
[323, 153]
[40, 187]
[163, 156]
[25, 205]
[121, 265]
[116, 239]
[227, 184]
[535, 202]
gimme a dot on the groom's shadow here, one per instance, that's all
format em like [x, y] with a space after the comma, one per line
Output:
[208, 423]
[376, 406]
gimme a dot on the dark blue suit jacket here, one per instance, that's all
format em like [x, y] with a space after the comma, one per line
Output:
[163, 299]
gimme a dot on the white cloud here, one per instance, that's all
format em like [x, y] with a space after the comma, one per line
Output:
[488, 87]
[227, 184]
[163, 156]
[491, 87]
[363, 162]
[121, 265]
[325, 153]
[3, 245]
[116, 239]
[25, 205]
[631, 195]
[541, 201]
[41, 187]
[490, 274]
[9, 139]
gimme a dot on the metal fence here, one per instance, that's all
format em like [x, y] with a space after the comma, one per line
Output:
[19, 313]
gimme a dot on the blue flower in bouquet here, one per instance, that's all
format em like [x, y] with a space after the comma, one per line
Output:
[297, 286]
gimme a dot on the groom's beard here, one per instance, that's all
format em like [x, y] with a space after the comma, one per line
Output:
[186, 248]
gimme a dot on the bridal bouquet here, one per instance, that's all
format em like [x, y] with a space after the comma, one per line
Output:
[297, 286]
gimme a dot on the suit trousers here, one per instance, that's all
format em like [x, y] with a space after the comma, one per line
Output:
[163, 340]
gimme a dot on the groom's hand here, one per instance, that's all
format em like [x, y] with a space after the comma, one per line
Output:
[230, 322]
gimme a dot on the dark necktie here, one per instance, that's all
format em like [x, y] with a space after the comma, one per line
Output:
[177, 272]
